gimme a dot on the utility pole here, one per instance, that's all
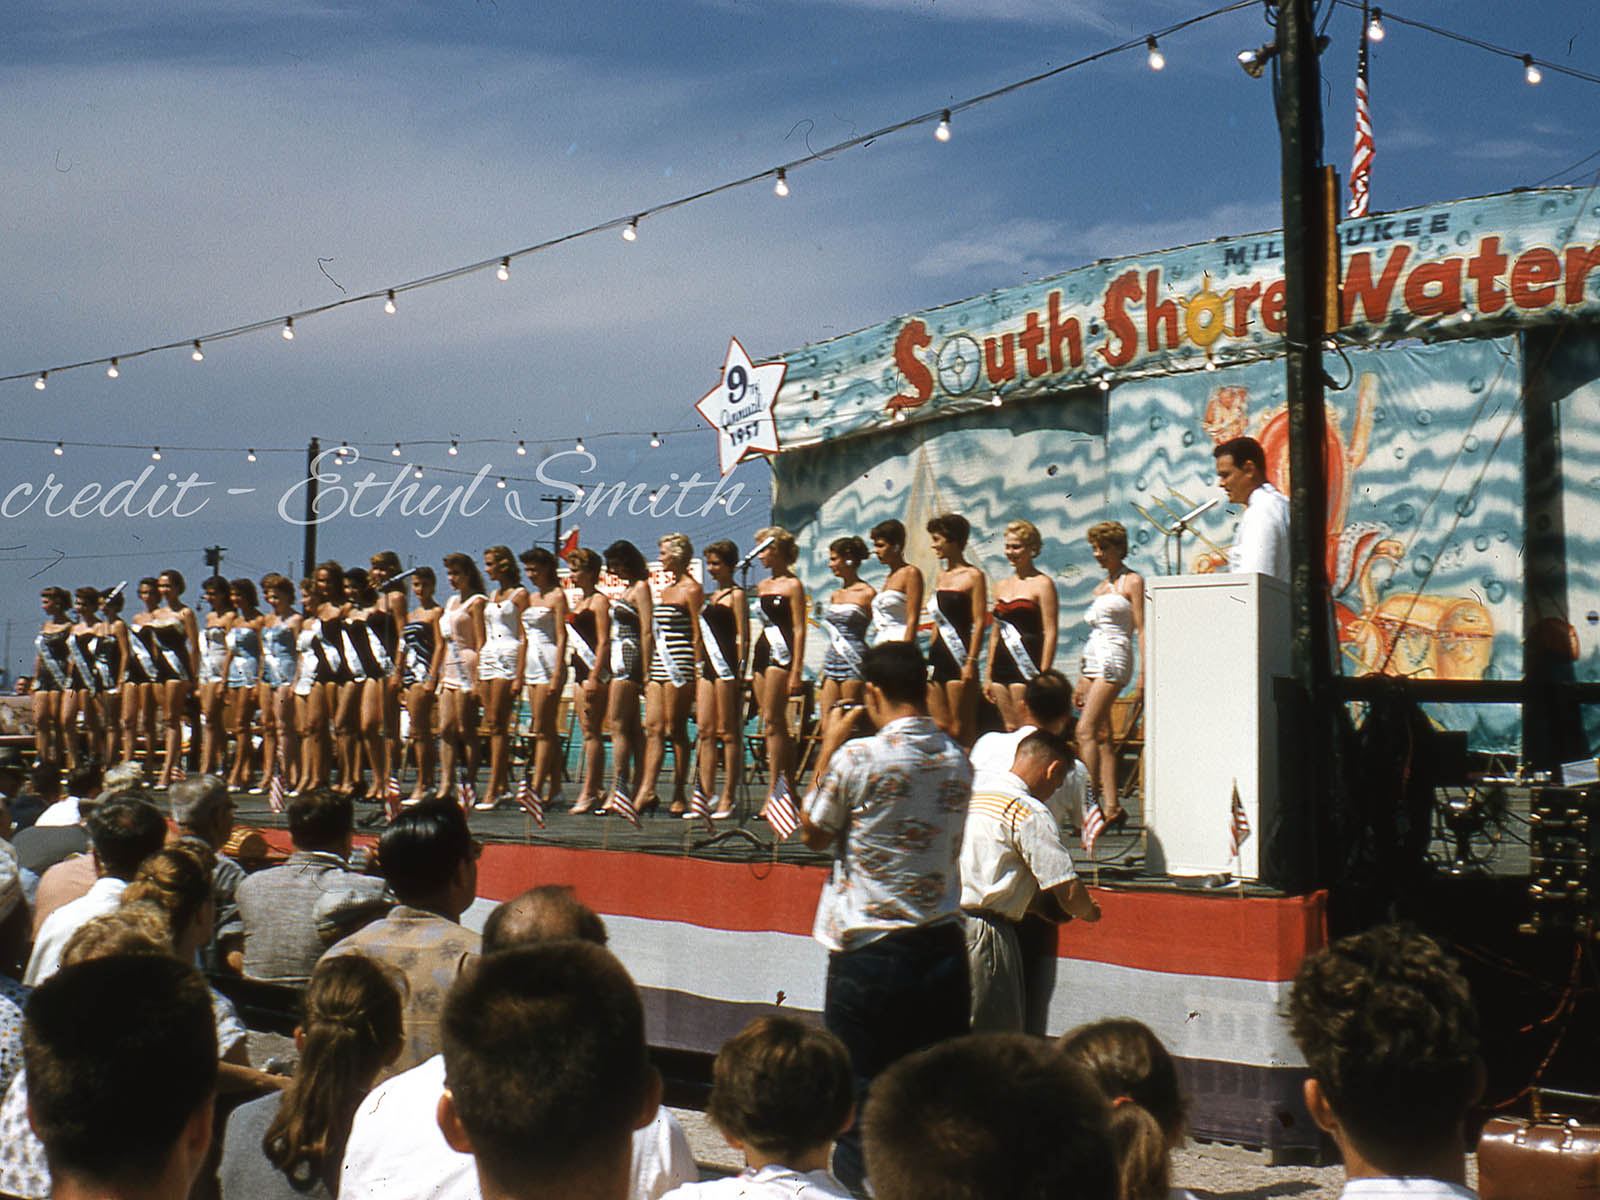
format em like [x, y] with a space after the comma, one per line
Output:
[214, 558]
[561, 503]
[312, 450]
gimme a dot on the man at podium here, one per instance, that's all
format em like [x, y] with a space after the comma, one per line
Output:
[1261, 543]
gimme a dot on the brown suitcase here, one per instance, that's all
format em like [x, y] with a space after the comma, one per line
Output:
[1552, 1159]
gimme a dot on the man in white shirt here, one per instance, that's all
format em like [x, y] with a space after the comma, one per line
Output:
[1011, 852]
[396, 1151]
[1047, 705]
[123, 834]
[1386, 1023]
[1261, 543]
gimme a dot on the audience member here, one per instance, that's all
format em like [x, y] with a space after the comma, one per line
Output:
[203, 813]
[991, 1116]
[430, 860]
[547, 1074]
[120, 1115]
[889, 913]
[1047, 705]
[1148, 1117]
[84, 783]
[41, 791]
[1387, 1025]
[782, 1091]
[1012, 859]
[122, 834]
[396, 1150]
[290, 1144]
[70, 871]
[13, 945]
[278, 906]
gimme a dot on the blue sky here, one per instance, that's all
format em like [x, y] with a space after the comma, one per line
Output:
[177, 168]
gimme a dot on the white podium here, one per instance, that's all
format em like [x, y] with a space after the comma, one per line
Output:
[1215, 644]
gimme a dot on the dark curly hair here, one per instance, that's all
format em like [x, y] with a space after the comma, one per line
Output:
[1386, 1023]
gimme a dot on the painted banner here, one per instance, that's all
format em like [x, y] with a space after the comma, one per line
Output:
[1469, 268]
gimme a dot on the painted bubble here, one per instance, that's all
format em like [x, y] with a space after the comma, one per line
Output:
[1188, 438]
[1481, 542]
[1494, 590]
[1404, 513]
[1466, 505]
[1052, 469]
[1141, 483]
[1421, 565]
[1424, 417]
[1157, 422]
[1399, 451]
[1142, 536]
[1470, 443]
[1476, 384]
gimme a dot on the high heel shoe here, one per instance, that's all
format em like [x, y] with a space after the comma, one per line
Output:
[1118, 823]
[650, 807]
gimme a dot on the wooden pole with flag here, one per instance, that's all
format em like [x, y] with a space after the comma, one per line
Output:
[1361, 158]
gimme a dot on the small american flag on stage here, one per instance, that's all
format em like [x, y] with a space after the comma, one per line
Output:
[275, 792]
[391, 797]
[700, 806]
[1238, 823]
[176, 775]
[1361, 159]
[466, 790]
[1093, 822]
[779, 810]
[622, 804]
[532, 803]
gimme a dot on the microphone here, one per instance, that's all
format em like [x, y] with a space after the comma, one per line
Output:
[755, 553]
[394, 581]
[1188, 517]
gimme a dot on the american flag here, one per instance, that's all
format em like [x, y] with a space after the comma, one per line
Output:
[1238, 823]
[466, 790]
[568, 546]
[391, 797]
[1361, 159]
[532, 803]
[1093, 822]
[622, 804]
[700, 806]
[275, 791]
[176, 775]
[779, 810]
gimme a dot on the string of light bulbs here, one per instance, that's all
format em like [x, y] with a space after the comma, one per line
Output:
[1532, 68]
[629, 225]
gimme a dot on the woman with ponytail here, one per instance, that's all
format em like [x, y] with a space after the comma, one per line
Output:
[290, 1145]
[1148, 1118]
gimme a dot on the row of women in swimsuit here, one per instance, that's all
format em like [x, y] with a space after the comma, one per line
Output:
[327, 680]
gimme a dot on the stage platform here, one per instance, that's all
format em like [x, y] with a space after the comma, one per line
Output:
[716, 928]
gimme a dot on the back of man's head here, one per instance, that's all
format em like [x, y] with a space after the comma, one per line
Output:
[423, 848]
[995, 1116]
[121, 1055]
[1386, 1023]
[124, 833]
[546, 1070]
[194, 799]
[782, 1087]
[86, 779]
[45, 780]
[321, 819]
[548, 913]
[898, 670]
[1048, 698]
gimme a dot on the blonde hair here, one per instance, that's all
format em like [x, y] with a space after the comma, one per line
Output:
[584, 559]
[782, 541]
[678, 543]
[1109, 535]
[1027, 533]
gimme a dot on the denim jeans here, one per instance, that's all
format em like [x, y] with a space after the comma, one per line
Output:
[898, 994]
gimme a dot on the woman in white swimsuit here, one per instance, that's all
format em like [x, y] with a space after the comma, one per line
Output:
[455, 671]
[898, 602]
[500, 666]
[1115, 616]
[544, 668]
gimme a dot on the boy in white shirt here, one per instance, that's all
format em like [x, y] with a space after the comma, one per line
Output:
[782, 1091]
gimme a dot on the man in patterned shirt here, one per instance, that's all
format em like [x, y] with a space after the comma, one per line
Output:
[892, 806]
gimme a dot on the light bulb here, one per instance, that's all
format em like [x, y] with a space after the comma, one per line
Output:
[1375, 26]
[655, 441]
[197, 354]
[580, 445]
[417, 472]
[454, 448]
[249, 456]
[1211, 364]
[39, 384]
[1105, 384]
[501, 482]
[630, 232]
[942, 132]
[155, 454]
[995, 401]
[111, 370]
[504, 273]
[1530, 70]
[395, 453]
[1158, 60]
[521, 447]
[781, 188]
[899, 416]
[388, 303]
[59, 451]
[288, 329]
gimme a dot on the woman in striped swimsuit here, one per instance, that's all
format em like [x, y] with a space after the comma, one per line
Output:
[670, 693]
[846, 618]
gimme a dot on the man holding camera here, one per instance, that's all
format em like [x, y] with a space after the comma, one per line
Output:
[892, 805]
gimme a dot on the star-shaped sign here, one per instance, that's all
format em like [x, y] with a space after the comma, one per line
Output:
[740, 407]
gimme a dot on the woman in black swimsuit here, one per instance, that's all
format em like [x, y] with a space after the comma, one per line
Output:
[1023, 640]
[52, 674]
[589, 636]
[779, 668]
[177, 635]
[719, 711]
[960, 600]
